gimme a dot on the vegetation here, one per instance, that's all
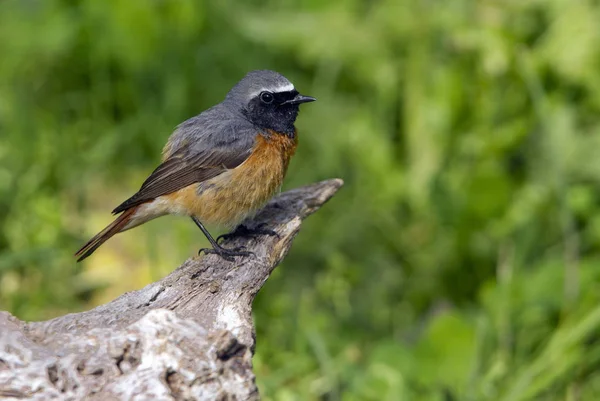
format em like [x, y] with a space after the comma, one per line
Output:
[460, 261]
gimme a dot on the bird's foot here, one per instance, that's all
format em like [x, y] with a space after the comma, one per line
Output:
[225, 253]
[243, 231]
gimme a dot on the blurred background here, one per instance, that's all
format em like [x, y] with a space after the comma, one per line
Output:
[461, 260]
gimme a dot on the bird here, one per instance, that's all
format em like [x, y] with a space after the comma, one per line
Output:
[221, 165]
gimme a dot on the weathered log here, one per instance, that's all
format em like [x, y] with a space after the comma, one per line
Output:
[189, 336]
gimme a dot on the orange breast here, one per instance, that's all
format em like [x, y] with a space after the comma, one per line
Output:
[230, 197]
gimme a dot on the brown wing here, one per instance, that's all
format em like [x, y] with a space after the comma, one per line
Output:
[180, 171]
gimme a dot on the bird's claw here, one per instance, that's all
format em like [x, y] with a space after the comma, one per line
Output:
[243, 231]
[227, 254]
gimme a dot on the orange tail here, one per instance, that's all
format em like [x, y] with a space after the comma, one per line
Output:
[100, 238]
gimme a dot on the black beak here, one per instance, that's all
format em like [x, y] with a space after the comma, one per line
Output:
[299, 99]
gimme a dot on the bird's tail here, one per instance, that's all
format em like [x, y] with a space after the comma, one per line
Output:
[100, 238]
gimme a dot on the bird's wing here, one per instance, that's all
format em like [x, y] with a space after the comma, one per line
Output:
[185, 168]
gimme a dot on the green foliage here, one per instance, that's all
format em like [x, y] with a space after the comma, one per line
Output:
[459, 262]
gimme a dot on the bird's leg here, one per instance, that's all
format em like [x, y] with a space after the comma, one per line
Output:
[225, 253]
[243, 231]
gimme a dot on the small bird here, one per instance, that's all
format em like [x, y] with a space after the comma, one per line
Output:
[221, 165]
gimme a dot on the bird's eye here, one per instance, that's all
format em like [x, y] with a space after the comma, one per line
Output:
[266, 97]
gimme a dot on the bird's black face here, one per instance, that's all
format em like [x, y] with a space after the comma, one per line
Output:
[276, 110]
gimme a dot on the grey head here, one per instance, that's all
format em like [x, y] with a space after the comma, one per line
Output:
[268, 100]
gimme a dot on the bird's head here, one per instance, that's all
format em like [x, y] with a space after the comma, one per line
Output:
[268, 100]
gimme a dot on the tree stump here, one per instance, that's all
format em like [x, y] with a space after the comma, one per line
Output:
[189, 336]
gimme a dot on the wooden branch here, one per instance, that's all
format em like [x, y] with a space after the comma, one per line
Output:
[189, 336]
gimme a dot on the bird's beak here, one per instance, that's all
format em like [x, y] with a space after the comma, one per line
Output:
[299, 99]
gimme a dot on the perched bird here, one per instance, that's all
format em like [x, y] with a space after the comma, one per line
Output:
[221, 165]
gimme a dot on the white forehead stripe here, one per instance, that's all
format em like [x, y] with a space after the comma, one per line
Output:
[282, 88]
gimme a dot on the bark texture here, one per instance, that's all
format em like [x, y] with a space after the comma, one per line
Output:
[189, 336]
